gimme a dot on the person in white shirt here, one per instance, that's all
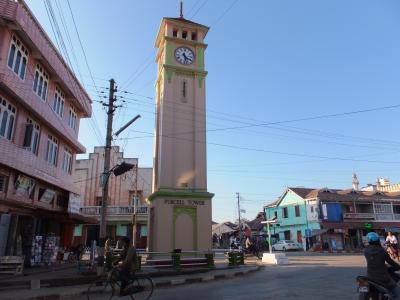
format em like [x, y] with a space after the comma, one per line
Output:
[391, 239]
[392, 245]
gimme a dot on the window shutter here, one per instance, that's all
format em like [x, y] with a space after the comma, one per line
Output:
[28, 135]
[2, 183]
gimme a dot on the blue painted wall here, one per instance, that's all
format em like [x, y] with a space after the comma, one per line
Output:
[331, 212]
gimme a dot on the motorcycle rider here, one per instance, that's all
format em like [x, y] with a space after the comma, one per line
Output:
[377, 271]
[391, 242]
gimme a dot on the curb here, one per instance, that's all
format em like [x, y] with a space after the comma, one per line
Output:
[206, 278]
[338, 252]
[159, 284]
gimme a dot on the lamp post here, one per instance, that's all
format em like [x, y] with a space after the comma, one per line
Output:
[273, 220]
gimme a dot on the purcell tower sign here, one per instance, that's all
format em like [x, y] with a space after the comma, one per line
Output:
[180, 211]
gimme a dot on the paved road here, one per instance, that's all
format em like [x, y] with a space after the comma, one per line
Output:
[308, 277]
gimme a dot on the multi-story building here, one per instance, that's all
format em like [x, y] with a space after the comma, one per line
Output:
[336, 219]
[297, 214]
[382, 185]
[41, 104]
[123, 191]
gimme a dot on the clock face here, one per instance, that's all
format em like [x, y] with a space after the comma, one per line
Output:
[184, 55]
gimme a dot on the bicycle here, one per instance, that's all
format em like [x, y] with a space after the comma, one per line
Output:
[140, 287]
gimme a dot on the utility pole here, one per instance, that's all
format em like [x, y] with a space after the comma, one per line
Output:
[240, 228]
[135, 203]
[107, 158]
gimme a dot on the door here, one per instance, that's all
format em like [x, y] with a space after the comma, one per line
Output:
[4, 226]
[299, 237]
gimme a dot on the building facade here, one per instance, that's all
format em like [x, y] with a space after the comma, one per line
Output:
[335, 219]
[296, 212]
[123, 190]
[41, 104]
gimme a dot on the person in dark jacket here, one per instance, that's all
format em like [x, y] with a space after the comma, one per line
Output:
[377, 270]
[128, 265]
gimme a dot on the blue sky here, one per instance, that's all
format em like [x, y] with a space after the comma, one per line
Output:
[268, 61]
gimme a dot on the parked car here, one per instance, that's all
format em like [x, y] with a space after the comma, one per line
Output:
[286, 245]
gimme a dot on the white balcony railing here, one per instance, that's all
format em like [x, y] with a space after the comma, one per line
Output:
[115, 210]
[364, 216]
[370, 216]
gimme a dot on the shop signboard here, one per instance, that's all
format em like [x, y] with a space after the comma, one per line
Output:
[74, 203]
[24, 185]
[47, 196]
[368, 225]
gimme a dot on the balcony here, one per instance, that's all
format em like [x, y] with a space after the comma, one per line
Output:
[115, 211]
[359, 216]
[23, 20]
[370, 216]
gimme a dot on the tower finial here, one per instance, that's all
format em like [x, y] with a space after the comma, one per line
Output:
[181, 11]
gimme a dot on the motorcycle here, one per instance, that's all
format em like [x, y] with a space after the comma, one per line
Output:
[253, 251]
[393, 250]
[371, 290]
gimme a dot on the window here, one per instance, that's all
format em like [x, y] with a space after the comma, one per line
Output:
[287, 235]
[62, 201]
[40, 82]
[175, 33]
[284, 212]
[194, 36]
[276, 214]
[17, 57]
[184, 89]
[52, 150]
[312, 209]
[184, 34]
[383, 208]
[58, 105]
[7, 119]
[297, 210]
[99, 201]
[31, 138]
[72, 118]
[67, 161]
[2, 183]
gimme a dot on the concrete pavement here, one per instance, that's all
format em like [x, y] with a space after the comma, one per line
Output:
[309, 276]
[79, 291]
[316, 277]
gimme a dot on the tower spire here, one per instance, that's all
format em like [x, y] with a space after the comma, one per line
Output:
[181, 10]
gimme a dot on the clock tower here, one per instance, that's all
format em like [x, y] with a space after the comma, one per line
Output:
[180, 209]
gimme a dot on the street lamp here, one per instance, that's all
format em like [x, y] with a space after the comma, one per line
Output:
[273, 220]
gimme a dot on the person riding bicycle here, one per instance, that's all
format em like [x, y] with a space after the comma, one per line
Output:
[128, 264]
[377, 270]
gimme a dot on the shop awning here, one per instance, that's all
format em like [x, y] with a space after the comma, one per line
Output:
[316, 232]
[78, 218]
[393, 229]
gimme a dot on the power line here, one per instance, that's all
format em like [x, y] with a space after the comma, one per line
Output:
[95, 126]
[277, 152]
[197, 11]
[224, 13]
[235, 120]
